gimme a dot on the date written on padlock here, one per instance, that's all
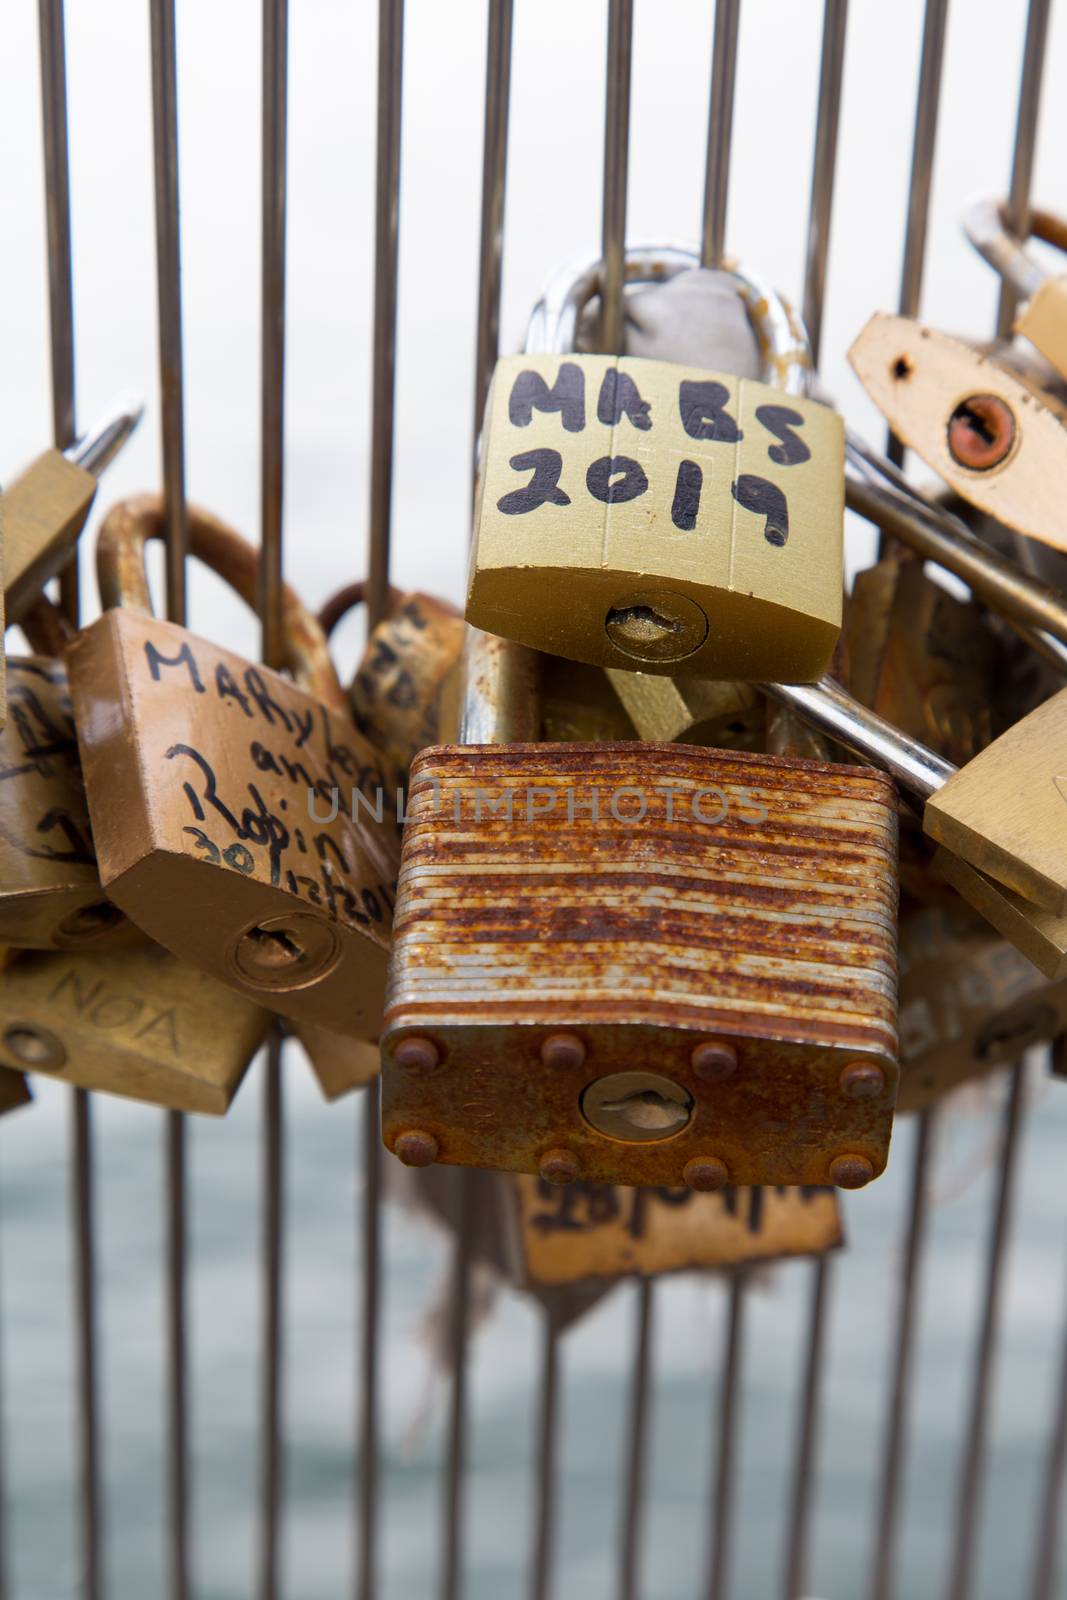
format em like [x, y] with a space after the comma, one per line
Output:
[589, 1230]
[644, 963]
[684, 517]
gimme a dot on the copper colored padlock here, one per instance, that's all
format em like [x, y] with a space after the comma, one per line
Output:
[240, 819]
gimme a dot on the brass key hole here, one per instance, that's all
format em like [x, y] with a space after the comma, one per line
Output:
[981, 432]
[639, 625]
[656, 625]
[88, 922]
[35, 1047]
[286, 952]
[637, 1106]
[273, 948]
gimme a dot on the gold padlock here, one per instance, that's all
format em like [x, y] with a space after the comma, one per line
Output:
[339, 1062]
[564, 1236]
[15, 1092]
[651, 516]
[136, 1023]
[219, 792]
[1042, 317]
[694, 710]
[50, 893]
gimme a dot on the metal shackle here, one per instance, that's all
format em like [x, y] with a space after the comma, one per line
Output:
[987, 229]
[783, 342]
[123, 582]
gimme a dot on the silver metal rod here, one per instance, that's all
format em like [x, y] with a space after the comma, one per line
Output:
[922, 171]
[826, 706]
[386, 255]
[1046, 1544]
[98, 447]
[271, 1457]
[824, 166]
[458, 1330]
[725, 1463]
[370, 1319]
[894, 1454]
[637, 1446]
[720, 132]
[967, 1517]
[83, 1209]
[804, 1472]
[616, 168]
[494, 177]
[544, 1515]
[1022, 170]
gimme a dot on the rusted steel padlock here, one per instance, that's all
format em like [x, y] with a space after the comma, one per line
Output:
[50, 893]
[240, 820]
[1043, 315]
[969, 1002]
[137, 1023]
[648, 515]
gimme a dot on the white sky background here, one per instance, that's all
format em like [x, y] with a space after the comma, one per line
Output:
[552, 216]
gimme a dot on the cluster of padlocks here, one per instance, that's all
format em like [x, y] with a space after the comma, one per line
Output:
[607, 877]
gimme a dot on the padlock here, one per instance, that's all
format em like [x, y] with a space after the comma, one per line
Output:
[969, 1002]
[239, 820]
[43, 511]
[50, 893]
[395, 695]
[585, 1231]
[1001, 813]
[728, 715]
[997, 437]
[339, 1062]
[692, 520]
[137, 1023]
[15, 1092]
[1042, 318]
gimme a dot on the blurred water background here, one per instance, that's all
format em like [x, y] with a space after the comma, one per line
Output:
[552, 216]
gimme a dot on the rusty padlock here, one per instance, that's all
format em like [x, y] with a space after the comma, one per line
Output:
[240, 820]
[50, 893]
[691, 520]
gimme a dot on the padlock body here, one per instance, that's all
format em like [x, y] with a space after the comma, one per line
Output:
[50, 892]
[136, 1023]
[697, 529]
[42, 513]
[693, 710]
[15, 1092]
[339, 1062]
[566, 1235]
[395, 695]
[238, 822]
[752, 902]
[1043, 320]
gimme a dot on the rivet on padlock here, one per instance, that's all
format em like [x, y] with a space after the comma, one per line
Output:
[137, 1023]
[1043, 315]
[692, 519]
[50, 892]
[219, 792]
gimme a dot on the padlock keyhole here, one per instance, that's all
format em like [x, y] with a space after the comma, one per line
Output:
[274, 948]
[649, 1110]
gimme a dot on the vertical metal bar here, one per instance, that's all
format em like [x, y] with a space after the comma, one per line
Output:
[807, 1437]
[922, 170]
[272, 463]
[720, 131]
[386, 254]
[544, 1520]
[52, 43]
[725, 1474]
[1022, 168]
[636, 1459]
[960, 1581]
[1046, 1544]
[494, 179]
[616, 168]
[824, 167]
[459, 1322]
[367, 1560]
[168, 283]
[271, 1393]
[894, 1453]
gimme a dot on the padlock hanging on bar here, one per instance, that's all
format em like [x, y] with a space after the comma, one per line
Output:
[1042, 316]
[239, 819]
[689, 521]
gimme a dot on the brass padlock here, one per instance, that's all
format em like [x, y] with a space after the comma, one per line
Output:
[43, 510]
[339, 1062]
[220, 792]
[1043, 315]
[563, 1236]
[688, 520]
[728, 715]
[136, 1023]
[15, 1092]
[697, 985]
[969, 1002]
[50, 893]
[996, 436]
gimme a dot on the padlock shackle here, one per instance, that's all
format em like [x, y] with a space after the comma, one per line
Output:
[97, 448]
[46, 628]
[123, 581]
[827, 707]
[784, 344]
[879, 492]
[986, 226]
[345, 600]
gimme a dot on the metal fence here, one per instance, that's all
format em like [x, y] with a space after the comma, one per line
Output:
[889, 1452]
